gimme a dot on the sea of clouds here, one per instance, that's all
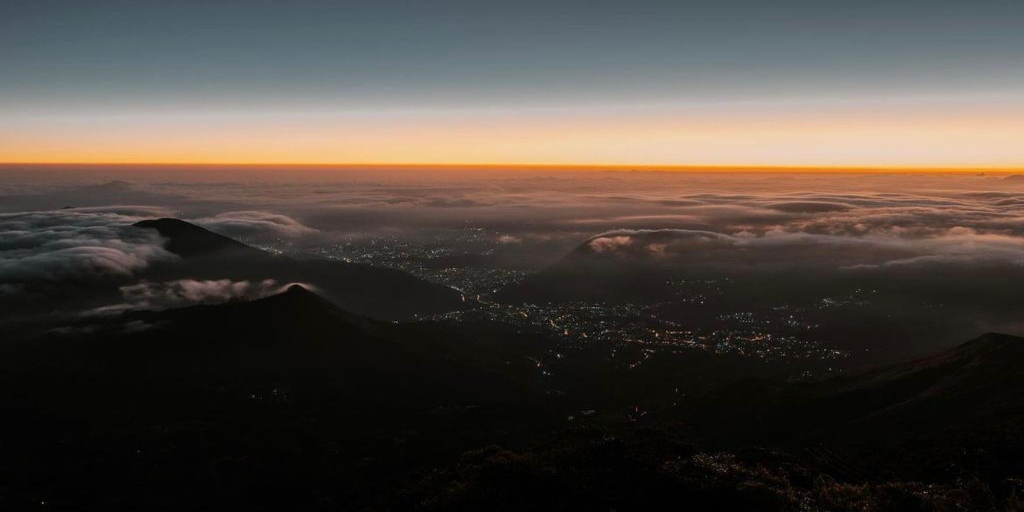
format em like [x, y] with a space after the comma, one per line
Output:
[535, 218]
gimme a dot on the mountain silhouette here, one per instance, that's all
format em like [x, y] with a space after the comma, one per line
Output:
[112, 186]
[977, 387]
[191, 241]
[289, 389]
[295, 334]
[362, 289]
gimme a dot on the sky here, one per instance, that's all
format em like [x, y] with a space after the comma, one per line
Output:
[737, 82]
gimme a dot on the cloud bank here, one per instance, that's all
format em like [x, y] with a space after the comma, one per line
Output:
[537, 218]
[76, 244]
[183, 292]
[780, 248]
[254, 223]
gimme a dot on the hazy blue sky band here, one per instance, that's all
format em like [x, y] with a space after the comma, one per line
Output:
[275, 54]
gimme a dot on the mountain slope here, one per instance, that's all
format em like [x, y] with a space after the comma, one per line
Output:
[363, 289]
[975, 387]
[277, 403]
[294, 335]
[191, 241]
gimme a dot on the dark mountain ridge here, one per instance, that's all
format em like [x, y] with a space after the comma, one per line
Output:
[935, 434]
[363, 289]
[977, 386]
[191, 241]
[295, 334]
[289, 389]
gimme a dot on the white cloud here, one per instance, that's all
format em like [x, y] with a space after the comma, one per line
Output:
[74, 244]
[249, 223]
[183, 292]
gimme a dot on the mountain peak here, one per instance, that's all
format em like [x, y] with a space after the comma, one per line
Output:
[299, 302]
[168, 225]
[297, 288]
[297, 292]
[188, 240]
[1005, 344]
[113, 186]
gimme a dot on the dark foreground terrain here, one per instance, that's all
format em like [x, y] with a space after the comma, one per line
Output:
[290, 402]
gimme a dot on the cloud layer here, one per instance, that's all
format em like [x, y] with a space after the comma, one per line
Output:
[254, 223]
[537, 217]
[183, 292]
[76, 244]
[703, 250]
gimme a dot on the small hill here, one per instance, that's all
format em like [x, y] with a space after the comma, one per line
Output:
[112, 186]
[648, 265]
[383, 293]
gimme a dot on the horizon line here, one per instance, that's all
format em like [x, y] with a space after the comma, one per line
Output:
[545, 166]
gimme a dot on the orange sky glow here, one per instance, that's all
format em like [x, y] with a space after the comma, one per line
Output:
[989, 135]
